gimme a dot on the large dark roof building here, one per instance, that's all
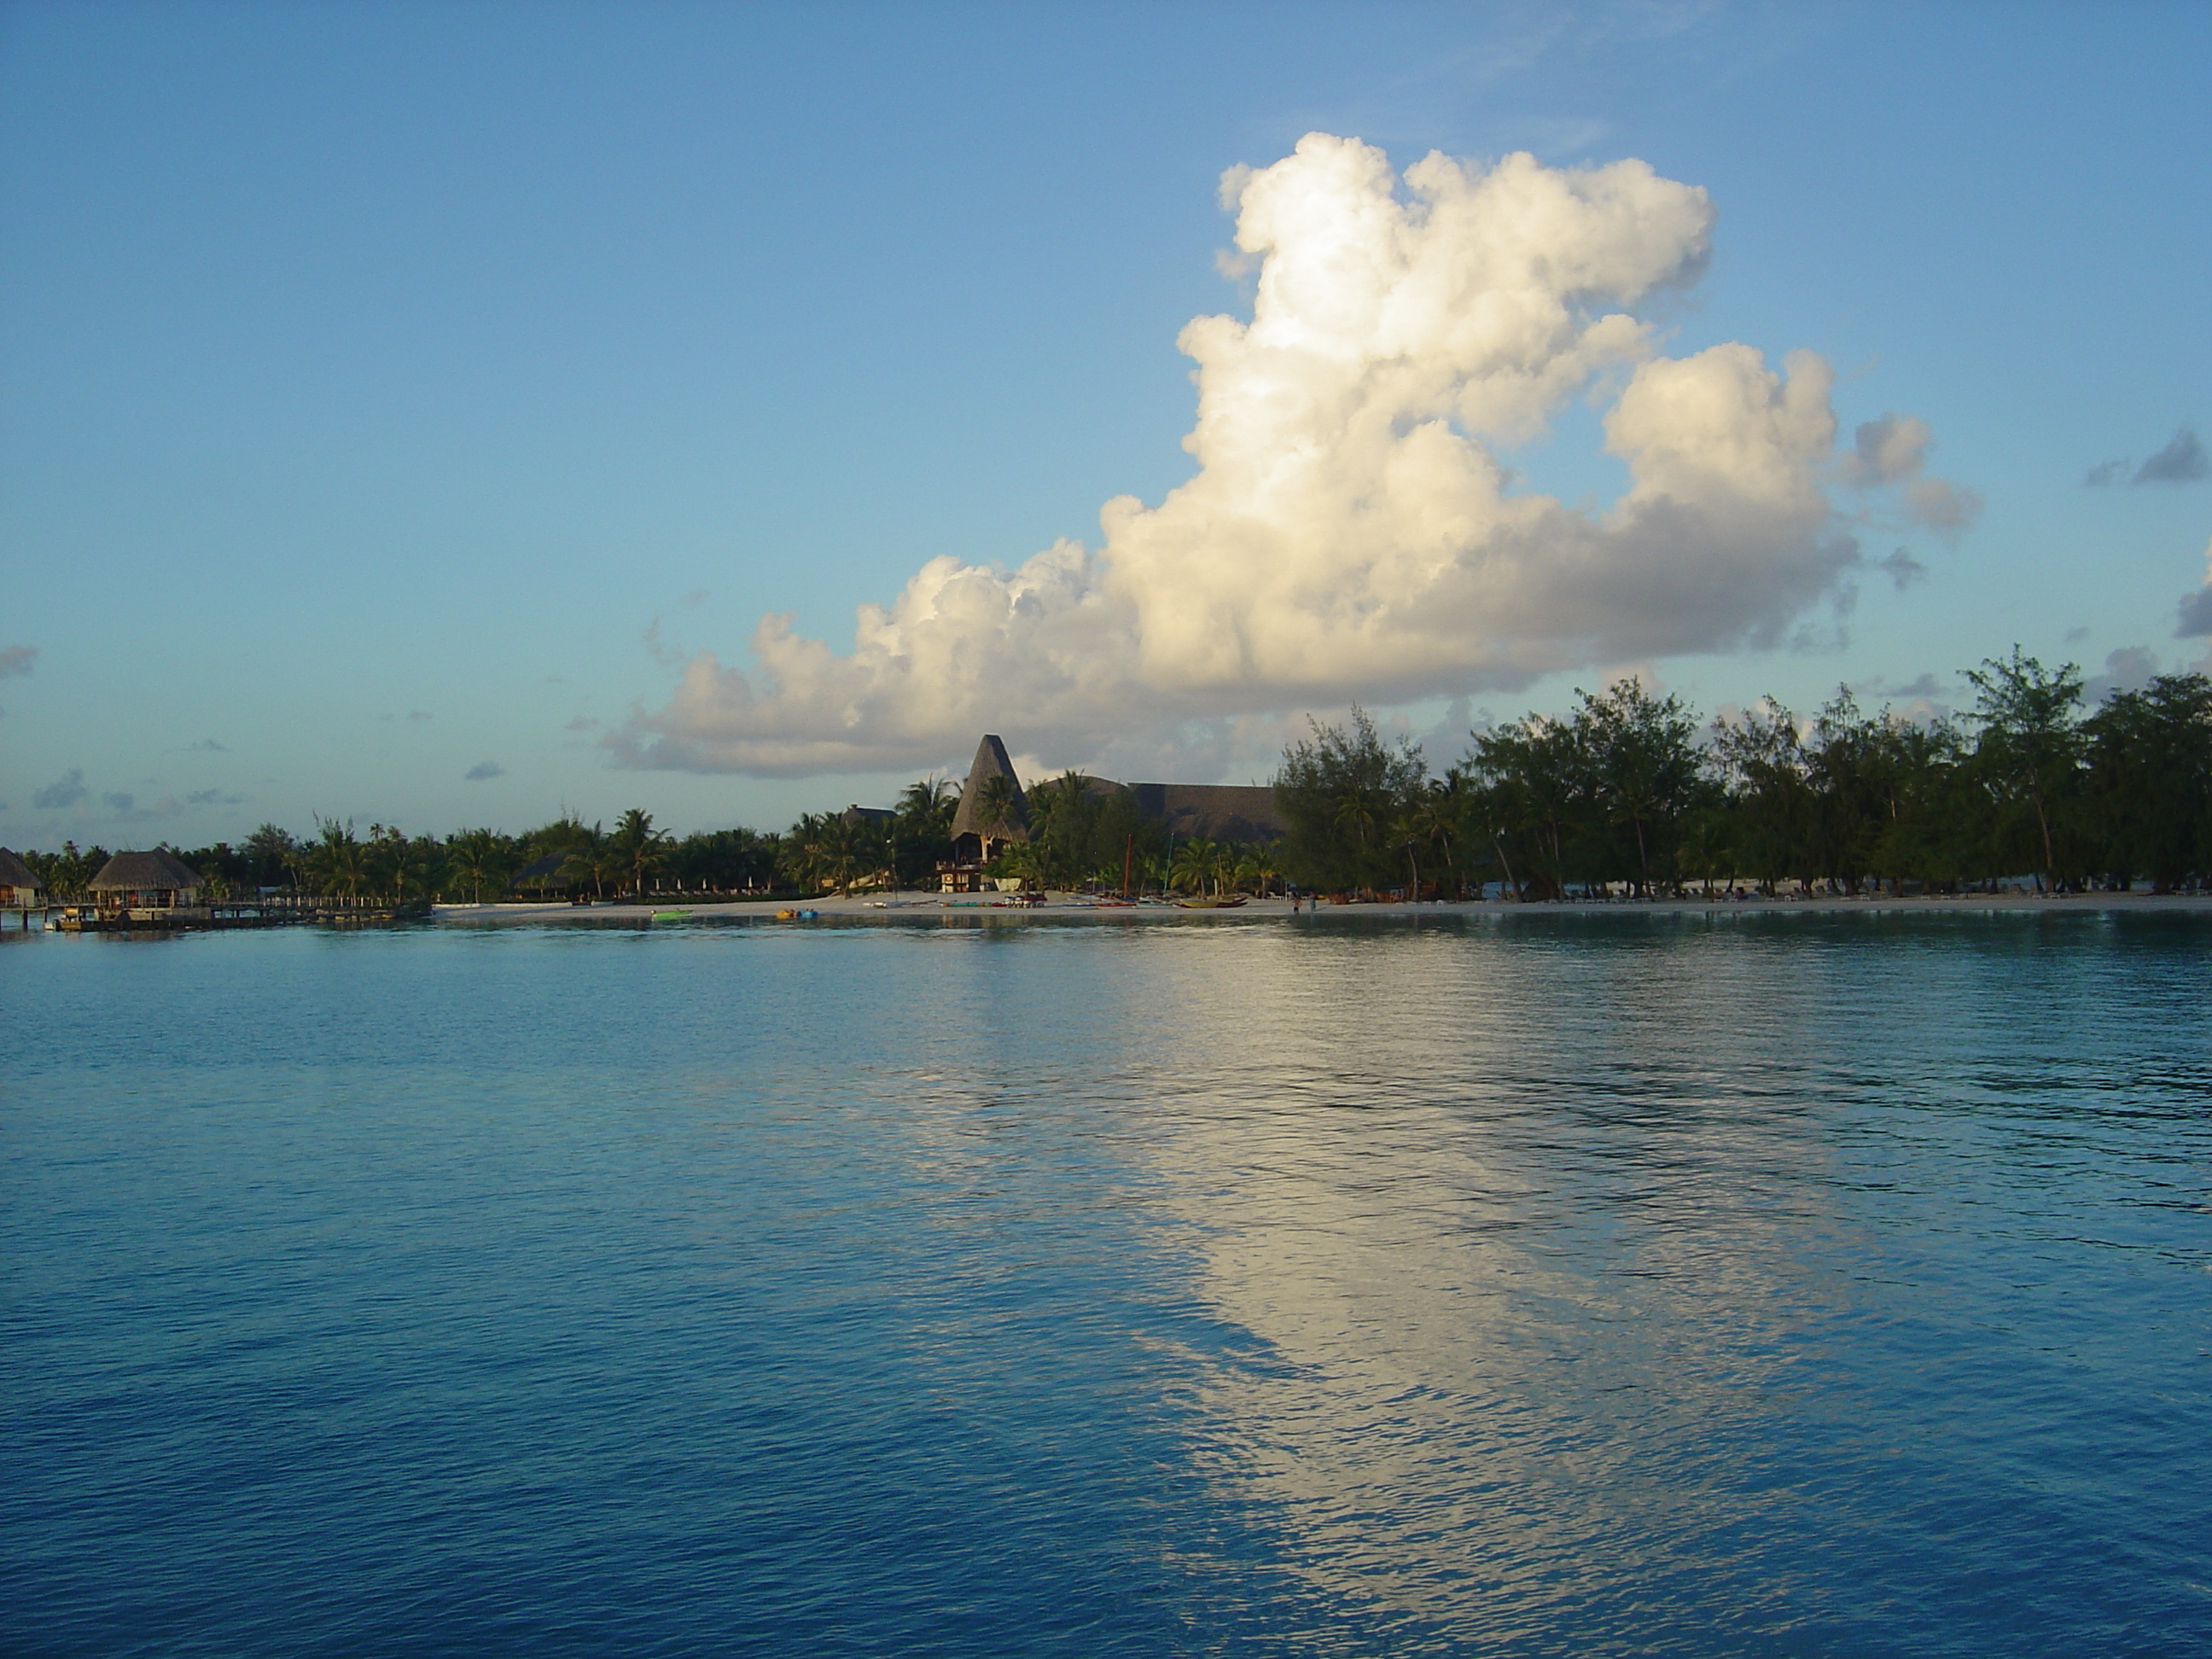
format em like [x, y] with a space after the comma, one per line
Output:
[1218, 811]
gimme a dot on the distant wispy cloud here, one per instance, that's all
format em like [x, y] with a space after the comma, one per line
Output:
[16, 660]
[484, 769]
[122, 800]
[214, 798]
[209, 746]
[65, 791]
[1924, 685]
[2183, 460]
[1902, 568]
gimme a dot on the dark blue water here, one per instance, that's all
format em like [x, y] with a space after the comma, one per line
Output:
[1519, 1285]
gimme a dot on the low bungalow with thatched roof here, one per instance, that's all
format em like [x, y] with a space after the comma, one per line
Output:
[158, 880]
[993, 815]
[20, 889]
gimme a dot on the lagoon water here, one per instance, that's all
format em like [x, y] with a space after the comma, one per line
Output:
[1562, 1283]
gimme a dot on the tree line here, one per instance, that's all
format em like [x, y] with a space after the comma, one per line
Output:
[1080, 832]
[1628, 792]
[1637, 793]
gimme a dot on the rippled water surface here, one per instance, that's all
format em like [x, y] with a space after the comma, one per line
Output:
[1511, 1284]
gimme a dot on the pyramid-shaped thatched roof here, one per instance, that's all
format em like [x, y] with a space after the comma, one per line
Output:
[991, 762]
[14, 872]
[143, 872]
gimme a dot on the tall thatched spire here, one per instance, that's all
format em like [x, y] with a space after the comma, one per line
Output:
[1008, 823]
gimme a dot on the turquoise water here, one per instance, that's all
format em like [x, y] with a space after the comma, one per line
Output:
[1518, 1284]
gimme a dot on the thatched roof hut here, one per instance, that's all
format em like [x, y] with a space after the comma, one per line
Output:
[19, 887]
[541, 873]
[1012, 824]
[147, 880]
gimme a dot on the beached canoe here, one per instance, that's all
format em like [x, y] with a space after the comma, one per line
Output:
[1210, 903]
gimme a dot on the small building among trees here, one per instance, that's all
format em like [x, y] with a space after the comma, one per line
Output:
[158, 880]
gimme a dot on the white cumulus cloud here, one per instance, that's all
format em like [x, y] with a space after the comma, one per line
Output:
[1349, 531]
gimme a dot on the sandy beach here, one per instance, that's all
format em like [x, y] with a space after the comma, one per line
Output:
[1065, 906]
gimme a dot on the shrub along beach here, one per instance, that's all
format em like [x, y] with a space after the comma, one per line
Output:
[1630, 795]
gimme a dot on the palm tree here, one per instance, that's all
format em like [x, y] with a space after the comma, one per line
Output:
[589, 859]
[475, 859]
[395, 860]
[637, 846]
[995, 802]
[805, 855]
[1257, 867]
[1195, 861]
[336, 858]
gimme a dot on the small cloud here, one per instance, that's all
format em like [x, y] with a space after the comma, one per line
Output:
[1887, 451]
[2196, 614]
[1942, 505]
[66, 791]
[664, 652]
[582, 723]
[1923, 686]
[484, 769]
[121, 799]
[697, 596]
[209, 746]
[2075, 635]
[1903, 569]
[555, 679]
[1894, 450]
[2183, 460]
[2102, 474]
[213, 798]
[16, 659]
[2130, 668]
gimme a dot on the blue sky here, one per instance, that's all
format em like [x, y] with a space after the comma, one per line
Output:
[390, 395]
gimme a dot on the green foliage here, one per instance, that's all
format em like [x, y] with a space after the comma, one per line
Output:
[2147, 788]
[480, 861]
[921, 831]
[637, 847]
[1341, 793]
[2029, 749]
[724, 861]
[63, 874]
[1081, 833]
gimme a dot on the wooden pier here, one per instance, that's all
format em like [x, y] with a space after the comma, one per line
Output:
[271, 911]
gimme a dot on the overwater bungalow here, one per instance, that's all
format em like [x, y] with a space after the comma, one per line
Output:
[156, 889]
[21, 889]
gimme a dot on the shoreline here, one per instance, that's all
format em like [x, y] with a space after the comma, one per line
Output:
[910, 908]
